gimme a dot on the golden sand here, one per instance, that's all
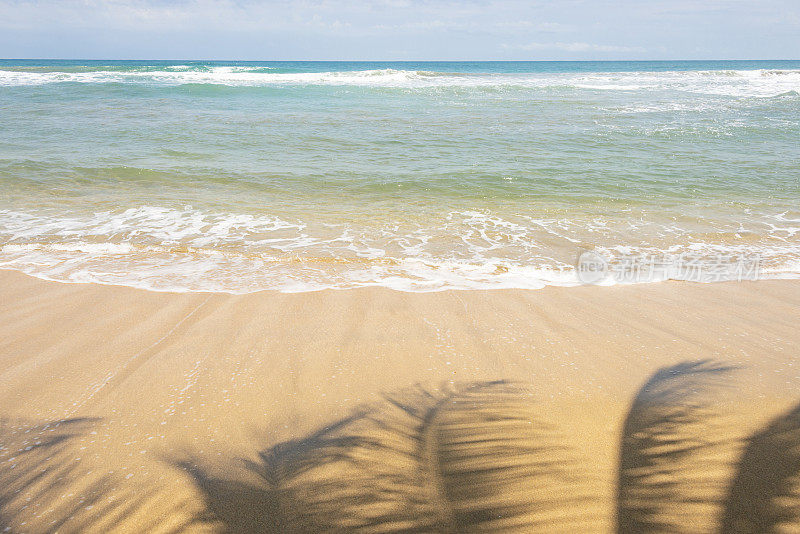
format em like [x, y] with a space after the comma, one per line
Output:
[373, 410]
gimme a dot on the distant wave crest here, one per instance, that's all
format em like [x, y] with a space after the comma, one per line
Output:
[737, 83]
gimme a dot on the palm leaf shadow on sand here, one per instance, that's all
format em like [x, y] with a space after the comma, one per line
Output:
[666, 480]
[764, 495]
[35, 467]
[474, 457]
[44, 487]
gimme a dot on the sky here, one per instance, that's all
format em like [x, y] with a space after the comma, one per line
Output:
[400, 29]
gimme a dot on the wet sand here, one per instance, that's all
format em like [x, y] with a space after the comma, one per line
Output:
[132, 410]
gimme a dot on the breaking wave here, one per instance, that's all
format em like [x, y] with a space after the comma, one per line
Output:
[191, 250]
[739, 83]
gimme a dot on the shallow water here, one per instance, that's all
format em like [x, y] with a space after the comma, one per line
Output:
[417, 176]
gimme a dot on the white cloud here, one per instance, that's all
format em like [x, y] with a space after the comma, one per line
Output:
[575, 47]
[529, 25]
[320, 15]
[399, 29]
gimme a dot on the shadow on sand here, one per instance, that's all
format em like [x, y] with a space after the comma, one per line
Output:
[459, 459]
[478, 457]
[44, 486]
[467, 458]
[672, 461]
[765, 493]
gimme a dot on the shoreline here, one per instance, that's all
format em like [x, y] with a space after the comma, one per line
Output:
[175, 389]
[773, 276]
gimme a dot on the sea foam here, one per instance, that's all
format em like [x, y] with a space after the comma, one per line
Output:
[740, 83]
[188, 249]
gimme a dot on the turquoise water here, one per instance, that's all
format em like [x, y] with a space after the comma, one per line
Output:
[417, 176]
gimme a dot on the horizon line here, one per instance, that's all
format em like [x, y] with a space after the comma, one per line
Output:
[393, 60]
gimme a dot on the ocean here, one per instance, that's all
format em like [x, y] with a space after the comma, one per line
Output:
[299, 176]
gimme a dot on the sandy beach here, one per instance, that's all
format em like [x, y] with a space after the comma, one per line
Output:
[411, 267]
[128, 410]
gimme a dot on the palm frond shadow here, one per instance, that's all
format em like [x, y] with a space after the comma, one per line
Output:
[457, 458]
[44, 487]
[34, 466]
[452, 459]
[764, 495]
[670, 477]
